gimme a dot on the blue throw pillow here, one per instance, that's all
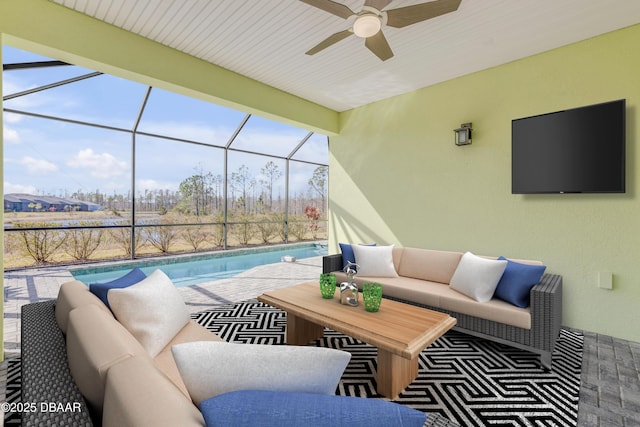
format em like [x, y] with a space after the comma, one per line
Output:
[276, 408]
[516, 282]
[347, 253]
[131, 278]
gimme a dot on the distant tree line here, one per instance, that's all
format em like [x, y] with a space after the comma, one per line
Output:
[202, 194]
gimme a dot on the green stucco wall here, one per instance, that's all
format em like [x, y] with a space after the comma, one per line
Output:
[397, 177]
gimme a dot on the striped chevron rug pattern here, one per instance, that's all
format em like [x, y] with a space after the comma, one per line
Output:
[12, 392]
[470, 381]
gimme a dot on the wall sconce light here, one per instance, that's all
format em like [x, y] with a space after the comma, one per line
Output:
[463, 134]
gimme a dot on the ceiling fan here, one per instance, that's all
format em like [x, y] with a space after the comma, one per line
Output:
[371, 18]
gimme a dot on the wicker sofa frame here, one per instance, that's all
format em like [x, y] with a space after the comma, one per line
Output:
[46, 376]
[45, 370]
[546, 317]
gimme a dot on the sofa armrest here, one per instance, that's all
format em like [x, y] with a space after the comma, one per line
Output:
[546, 311]
[331, 263]
[45, 371]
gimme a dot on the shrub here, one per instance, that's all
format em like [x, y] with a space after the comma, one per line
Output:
[281, 230]
[267, 228]
[312, 213]
[217, 235]
[297, 229]
[122, 239]
[161, 236]
[42, 243]
[243, 230]
[195, 236]
[81, 243]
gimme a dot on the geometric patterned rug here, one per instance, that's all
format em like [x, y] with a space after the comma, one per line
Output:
[13, 391]
[468, 380]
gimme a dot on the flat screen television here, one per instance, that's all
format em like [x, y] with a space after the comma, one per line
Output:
[581, 150]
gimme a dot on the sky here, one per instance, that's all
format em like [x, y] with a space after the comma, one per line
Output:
[52, 157]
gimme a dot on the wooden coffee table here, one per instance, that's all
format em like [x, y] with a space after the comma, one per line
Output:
[399, 331]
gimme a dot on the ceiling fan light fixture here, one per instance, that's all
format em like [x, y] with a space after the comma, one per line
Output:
[367, 25]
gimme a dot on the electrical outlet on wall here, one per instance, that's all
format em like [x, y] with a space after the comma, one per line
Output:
[605, 280]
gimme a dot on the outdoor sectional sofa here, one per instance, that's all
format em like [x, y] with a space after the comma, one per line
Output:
[423, 276]
[79, 357]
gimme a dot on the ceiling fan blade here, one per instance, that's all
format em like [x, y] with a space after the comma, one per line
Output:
[330, 6]
[377, 4]
[379, 46]
[405, 16]
[335, 38]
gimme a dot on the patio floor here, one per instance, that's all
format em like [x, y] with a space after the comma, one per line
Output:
[609, 396]
[33, 285]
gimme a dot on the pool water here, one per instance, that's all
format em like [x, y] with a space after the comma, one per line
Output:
[198, 269]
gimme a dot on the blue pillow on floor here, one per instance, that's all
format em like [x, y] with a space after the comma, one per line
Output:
[131, 278]
[516, 282]
[276, 408]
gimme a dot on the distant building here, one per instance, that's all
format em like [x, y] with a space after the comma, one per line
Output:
[30, 203]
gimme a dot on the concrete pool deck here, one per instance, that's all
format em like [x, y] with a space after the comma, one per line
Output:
[33, 285]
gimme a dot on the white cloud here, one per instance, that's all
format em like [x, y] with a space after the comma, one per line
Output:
[99, 165]
[10, 136]
[38, 166]
[11, 85]
[299, 182]
[19, 188]
[152, 184]
[11, 118]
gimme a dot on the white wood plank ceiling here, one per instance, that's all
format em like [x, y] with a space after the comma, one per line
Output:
[266, 40]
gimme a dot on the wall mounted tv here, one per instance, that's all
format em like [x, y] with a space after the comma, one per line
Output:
[581, 150]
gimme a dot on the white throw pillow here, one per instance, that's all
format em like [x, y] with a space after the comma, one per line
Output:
[477, 277]
[376, 261]
[211, 368]
[152, 310]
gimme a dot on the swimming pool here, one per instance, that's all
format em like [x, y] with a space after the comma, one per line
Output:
[191, 270]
